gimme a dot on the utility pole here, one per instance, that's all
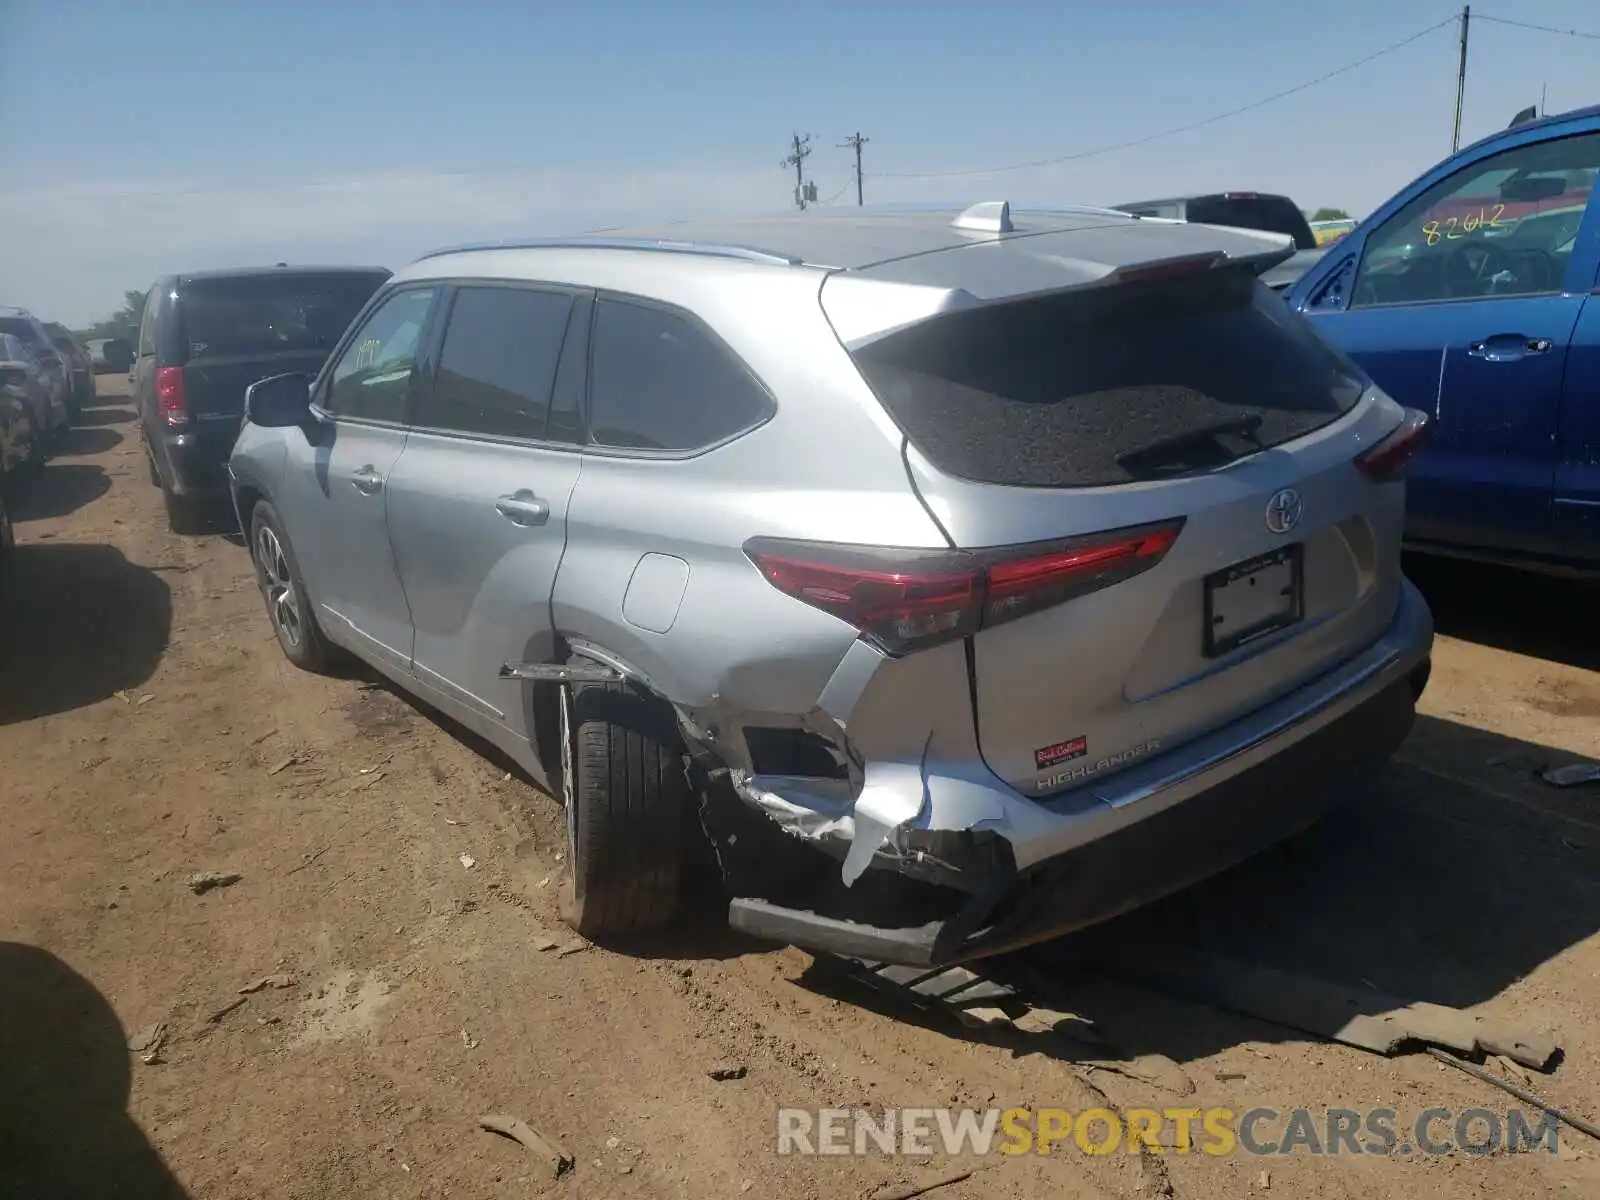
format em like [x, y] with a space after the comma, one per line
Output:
[855, 141]
[1461, 76]
[797, 157]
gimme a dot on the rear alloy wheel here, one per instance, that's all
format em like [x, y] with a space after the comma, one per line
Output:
[285, 595]
[626, 791]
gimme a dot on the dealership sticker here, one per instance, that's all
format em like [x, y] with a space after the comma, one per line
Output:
[1049, 756]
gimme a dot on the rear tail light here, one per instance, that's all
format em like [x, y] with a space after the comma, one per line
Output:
[905, 600]
[1386, 462]
[172, 395]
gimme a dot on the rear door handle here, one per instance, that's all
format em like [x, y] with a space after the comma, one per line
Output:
[367, 481]
[1509, 347]
[522, 507]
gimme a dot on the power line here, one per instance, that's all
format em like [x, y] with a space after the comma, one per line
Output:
[1165, 133]
[1577, 33]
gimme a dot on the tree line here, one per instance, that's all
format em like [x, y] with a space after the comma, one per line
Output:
[124, 323]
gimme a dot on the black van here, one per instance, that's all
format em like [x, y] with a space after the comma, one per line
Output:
[206, 337]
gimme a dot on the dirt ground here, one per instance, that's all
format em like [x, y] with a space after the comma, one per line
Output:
[150, 729]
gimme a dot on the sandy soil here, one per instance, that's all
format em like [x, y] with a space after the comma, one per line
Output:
[150, 730]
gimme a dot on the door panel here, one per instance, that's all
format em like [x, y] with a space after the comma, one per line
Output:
[337, 478]
[479, 529]
[1463, 304]
[1577, 481]
[333, 501]
[478, 504]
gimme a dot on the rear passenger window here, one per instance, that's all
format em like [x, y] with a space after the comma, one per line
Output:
[659, 381]
[498, 363]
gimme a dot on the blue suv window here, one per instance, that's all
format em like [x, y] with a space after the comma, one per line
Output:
[1504, 226]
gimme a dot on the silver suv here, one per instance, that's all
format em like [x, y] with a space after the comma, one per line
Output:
[966, 577]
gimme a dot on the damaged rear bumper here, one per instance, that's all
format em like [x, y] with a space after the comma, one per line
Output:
[1153, 829]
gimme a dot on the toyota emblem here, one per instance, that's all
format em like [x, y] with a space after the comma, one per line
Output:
[1284, 510]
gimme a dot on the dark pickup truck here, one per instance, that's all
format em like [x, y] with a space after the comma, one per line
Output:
[1245, 210]
[206, 337]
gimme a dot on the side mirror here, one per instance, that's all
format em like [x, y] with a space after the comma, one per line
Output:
[279, 401]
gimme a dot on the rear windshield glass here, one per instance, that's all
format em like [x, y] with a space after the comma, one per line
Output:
[1105, 386]
[267, 314]
[1272, 214]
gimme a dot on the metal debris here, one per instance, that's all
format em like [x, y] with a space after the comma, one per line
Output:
[907, 1191]
[557, 1159]
[1526, 1095]
[206, 880]
[268, 981]
[722, 1072]
[1368, 1020]
[148, 1043]
[231, 1006]
[1572, 774]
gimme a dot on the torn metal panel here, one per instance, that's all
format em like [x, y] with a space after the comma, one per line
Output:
[811, 808]
[893, 795]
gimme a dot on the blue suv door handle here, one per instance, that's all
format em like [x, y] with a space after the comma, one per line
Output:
[1508, 347]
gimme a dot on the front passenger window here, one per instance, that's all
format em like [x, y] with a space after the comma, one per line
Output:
[373, 376]
[1504, 226]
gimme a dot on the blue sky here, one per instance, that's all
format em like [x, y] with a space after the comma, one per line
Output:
[140, 137]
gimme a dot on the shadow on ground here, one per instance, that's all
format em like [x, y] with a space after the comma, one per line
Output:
[91, 417]
[1536, 615]
[1447, 878]
[87, 440]
[59, 490]
[65, 1076]
[78, 622]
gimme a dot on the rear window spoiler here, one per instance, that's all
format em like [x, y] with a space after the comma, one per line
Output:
[863, 311]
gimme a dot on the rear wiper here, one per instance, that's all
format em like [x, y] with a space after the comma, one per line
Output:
[1151, 454]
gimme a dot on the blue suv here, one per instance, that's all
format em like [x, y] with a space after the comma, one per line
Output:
[1474, 295]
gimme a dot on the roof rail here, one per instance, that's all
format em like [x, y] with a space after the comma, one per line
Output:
[617, 242]
[1094, 210]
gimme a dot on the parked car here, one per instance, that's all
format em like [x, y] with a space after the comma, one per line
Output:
[19, 436]
[1245, 210]
[1329, 232]
[207, 336]
[1471, 294]
[968, 577]
[19, 449]
[55, 371]
[46, 407]
[110, 355]
[77, 361]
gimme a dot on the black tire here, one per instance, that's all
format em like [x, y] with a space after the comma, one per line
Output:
[278, 577]
[626, 792]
